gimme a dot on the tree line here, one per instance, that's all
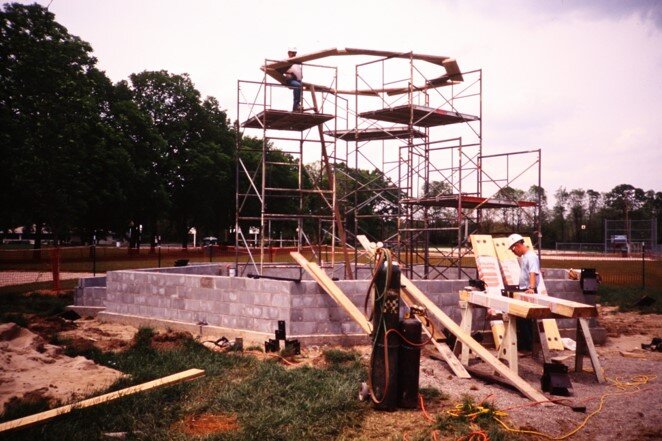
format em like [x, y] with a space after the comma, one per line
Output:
[80, 154]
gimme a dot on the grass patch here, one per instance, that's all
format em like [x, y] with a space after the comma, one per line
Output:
[340, 357]
[15, 306]
[266, 400]
[468, 418]
[626, 298]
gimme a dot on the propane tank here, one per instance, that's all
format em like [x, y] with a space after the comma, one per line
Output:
[409, 362]
[384, 360]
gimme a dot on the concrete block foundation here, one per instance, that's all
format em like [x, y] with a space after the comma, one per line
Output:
[205, 301]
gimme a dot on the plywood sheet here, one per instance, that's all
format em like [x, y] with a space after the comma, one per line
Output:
[422, 116]
[284, 120]
[376, 134]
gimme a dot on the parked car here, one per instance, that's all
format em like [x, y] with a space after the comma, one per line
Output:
[210, 240]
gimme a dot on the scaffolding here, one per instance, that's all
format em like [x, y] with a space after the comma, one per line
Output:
[399, 158]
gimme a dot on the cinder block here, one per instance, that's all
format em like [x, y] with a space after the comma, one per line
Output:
[328, 328]
[280, 300]
[316, 314]
[273, 313]
[449, 299]
[296, 314]
[301, 301]
[302, 328]
[262, 298]
[192, 305]
[261, 325]
[236, 309]
[351, 328]
[178, 303]
[153, 300]
[244, 323]
[219, 307]
[229, 321]
[247, 298]
[255, 311]
[337, 314]
[206, 282]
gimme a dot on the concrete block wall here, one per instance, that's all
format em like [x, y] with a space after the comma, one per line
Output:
[91, 291]
[231, 302]
[196, 294]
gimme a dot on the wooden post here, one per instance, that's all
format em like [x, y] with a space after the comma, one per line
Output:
[508, 349]
[465, 324]
[585, 346]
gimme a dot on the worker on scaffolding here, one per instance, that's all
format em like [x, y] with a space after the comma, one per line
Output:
[293, 78]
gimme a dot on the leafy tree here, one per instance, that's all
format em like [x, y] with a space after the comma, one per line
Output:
[577, 207]
[197, 161]
[58, 164]
[623, 200]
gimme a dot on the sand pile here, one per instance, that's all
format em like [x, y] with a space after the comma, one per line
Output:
[30, 368]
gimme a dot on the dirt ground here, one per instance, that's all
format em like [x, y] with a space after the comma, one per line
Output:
[627, 407]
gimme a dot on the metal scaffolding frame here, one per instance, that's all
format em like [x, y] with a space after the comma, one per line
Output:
[415, 151]
[269, 140]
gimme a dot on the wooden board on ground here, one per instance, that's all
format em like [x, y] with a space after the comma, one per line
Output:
[332, 289]
[510, 270]
[448, 323]
[190, 374]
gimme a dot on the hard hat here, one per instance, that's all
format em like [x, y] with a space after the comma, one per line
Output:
[513, 239]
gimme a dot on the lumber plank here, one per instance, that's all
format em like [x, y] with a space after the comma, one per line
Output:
[518, 308]
[525, 388]
[190, 374]
[487, 262]
[435, 336]
[562, 307]
[446, 352]
[585, 344]
[332, 290]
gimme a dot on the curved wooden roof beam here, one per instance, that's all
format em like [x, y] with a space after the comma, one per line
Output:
[453, 75]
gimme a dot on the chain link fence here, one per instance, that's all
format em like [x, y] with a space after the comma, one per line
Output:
[23, 266]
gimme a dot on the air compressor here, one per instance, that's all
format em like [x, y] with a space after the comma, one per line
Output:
[395, 358]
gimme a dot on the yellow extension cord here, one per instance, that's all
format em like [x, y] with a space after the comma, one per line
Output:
[471, 412]
[627, 387]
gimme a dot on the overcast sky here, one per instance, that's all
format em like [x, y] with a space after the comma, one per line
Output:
[579, 79]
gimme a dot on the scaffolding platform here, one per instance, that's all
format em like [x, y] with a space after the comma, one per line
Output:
[375, 134]
[452, 201]
[284, 120]
[423, 116]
